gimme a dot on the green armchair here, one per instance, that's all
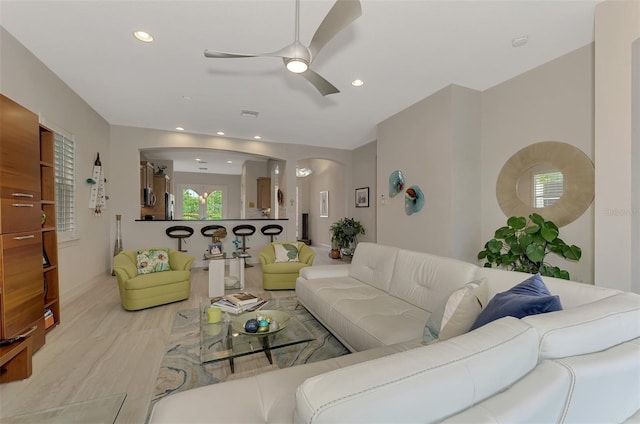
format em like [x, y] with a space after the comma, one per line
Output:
[283, 275]
[156, 288]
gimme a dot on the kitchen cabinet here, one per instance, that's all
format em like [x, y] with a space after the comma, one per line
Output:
[264, 193]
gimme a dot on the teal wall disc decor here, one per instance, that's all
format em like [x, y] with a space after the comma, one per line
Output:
[413, 200]
[396, 183]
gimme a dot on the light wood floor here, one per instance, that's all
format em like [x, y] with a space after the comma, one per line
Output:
[99, 349]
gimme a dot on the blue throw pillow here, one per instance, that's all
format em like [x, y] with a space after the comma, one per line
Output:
[531, 297]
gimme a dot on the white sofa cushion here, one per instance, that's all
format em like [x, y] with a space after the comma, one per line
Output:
[442, 378]
[424, 280]
[359, 315]
[373, 264]
[456, 314]
[539, 397]
[588, 328]
[605, 386]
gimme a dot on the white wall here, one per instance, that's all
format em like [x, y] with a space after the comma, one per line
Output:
[436, 145]
[364, 175]
[24, 79]
[617, 26]
[327, 176]
[553, 102]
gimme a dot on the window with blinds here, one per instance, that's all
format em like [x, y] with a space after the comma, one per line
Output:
[548, 188]
[65, 187]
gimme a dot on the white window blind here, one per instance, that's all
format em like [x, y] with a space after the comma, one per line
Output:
[65, 186]
[548, 188]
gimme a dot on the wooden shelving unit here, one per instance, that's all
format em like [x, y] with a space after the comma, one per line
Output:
[49, 228]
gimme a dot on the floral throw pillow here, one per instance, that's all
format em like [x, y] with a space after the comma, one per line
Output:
[286, 252]
[152, 260]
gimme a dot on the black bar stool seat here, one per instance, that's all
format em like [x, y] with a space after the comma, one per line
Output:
[244, 231]
[180, 232]
[271, 230]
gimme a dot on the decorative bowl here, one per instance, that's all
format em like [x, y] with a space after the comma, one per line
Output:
[281, 317]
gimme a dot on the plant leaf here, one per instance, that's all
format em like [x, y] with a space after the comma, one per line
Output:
[482, 254]
[535, 252]
[572, 252]
[503, 232]
[537, 219]
[532, 229]
[494, 246]
[549, 233]
[517, 222]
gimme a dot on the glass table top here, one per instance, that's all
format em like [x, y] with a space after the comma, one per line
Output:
[220, 341]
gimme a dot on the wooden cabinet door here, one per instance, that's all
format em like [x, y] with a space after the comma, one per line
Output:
[264, 193]
[19, 152]
[22, 300]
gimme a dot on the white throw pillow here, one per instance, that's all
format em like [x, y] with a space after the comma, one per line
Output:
[286, 252]
[457, 313]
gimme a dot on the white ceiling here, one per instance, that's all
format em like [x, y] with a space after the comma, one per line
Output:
[202, 160]
[403, 50]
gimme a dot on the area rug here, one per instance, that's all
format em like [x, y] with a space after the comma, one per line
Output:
[181, 368]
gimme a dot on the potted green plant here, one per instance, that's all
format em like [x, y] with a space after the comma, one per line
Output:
[344, 235]
[523, 245]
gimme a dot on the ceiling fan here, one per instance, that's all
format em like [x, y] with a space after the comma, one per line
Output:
[296, 56]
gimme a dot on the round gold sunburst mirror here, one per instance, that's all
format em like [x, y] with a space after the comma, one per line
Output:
[550, 178]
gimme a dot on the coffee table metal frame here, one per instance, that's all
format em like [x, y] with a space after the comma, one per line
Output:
[219, 341]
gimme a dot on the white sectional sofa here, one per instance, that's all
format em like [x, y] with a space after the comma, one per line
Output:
[580, 364]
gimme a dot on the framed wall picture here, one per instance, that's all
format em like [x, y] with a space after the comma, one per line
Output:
[362, 197]
[324, 204]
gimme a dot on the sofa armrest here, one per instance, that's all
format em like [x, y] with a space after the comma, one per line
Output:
[180, 261]
[267, 255]
[124, 267]
[325, 271]
[306, 254]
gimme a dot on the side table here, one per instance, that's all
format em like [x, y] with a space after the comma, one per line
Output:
[217, 268]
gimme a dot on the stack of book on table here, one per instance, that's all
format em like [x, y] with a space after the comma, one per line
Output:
[238, 302]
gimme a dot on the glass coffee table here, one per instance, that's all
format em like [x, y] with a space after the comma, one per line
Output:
[220, 341]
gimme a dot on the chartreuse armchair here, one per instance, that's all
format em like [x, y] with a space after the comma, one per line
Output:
[281, 263]
[152, 276]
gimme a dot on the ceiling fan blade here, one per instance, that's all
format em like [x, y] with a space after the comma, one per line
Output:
[295, 49]
[225, 55]
[341, 14]
[321, 84]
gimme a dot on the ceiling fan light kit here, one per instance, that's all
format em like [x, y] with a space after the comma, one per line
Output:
[298, 57]
[297, 66]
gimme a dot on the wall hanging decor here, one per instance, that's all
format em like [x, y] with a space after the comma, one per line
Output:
[324, 204]
[362, 197]
[396, 183]
[413, 200]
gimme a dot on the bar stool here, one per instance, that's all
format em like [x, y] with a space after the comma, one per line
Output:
[271, 230]
[180, 232]
[244, 230]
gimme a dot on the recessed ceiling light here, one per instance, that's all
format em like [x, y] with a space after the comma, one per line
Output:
[143, 36]
[357, 83]
[229, 161]
[220, 133]
[257, 137]
[520, 41]
[179, 128]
